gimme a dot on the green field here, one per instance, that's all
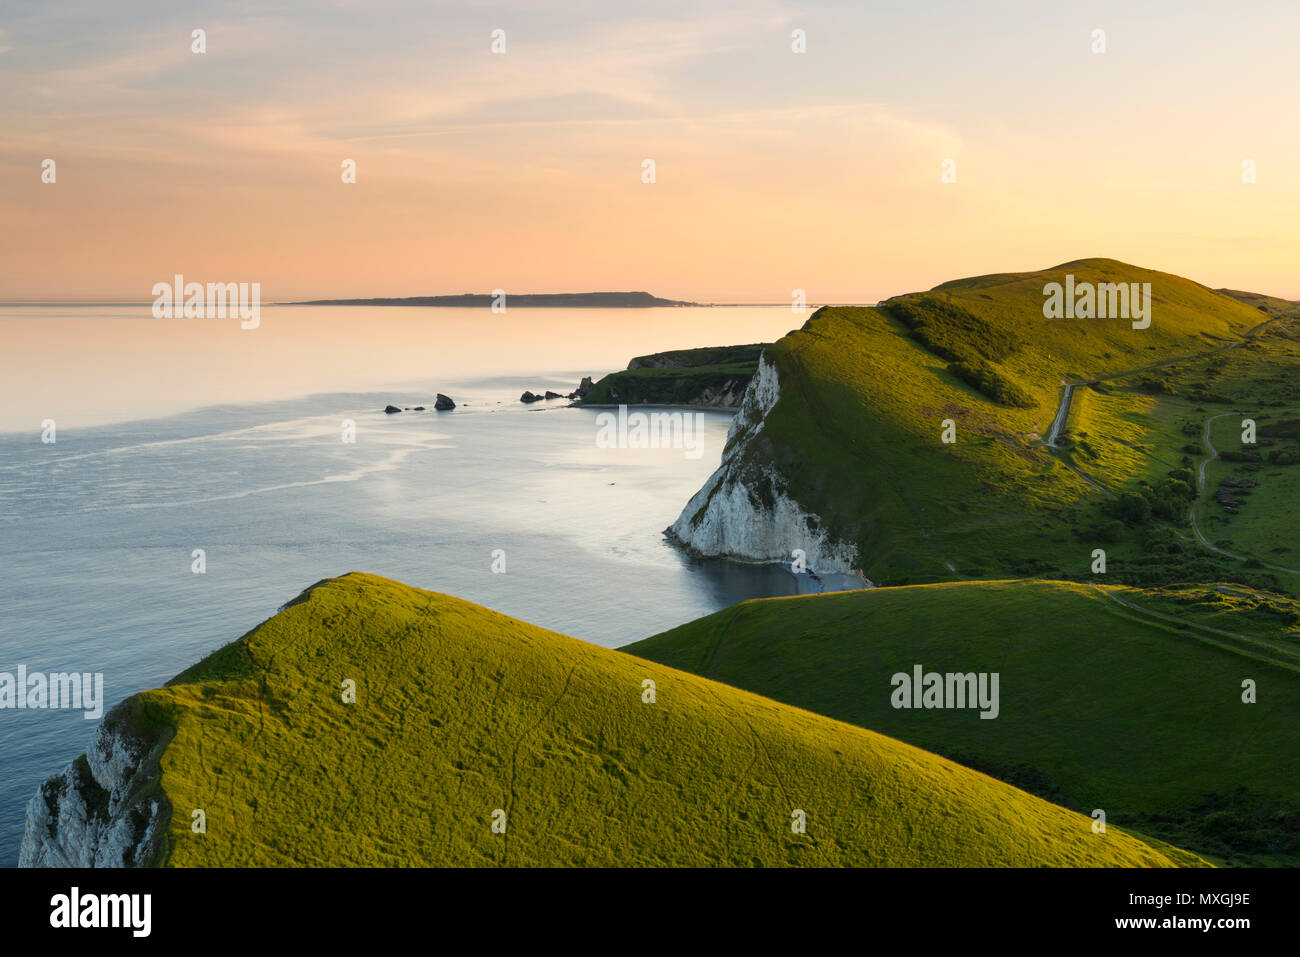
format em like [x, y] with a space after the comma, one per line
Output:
[1264, 523]
[461, 712]
[1103, 703]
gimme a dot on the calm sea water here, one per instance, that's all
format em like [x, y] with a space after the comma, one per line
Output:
[97, 529]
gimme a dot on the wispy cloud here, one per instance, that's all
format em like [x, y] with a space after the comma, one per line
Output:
[769, 162]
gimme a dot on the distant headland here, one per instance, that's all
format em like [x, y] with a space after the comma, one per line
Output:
[588, 300]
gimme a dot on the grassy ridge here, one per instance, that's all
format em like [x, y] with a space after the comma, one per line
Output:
[1270, 305]
[701, 356]
[1102, 705]
[866, 402]
[461, 711]
[670, 386]
[865, 393]
[680, 377]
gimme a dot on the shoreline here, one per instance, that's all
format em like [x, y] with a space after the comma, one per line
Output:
[812, 584]
[806, 583]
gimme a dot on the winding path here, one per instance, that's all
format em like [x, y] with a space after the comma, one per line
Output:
[1200, 482]
[1067, 393]
[1062, 413]
[1058, 425]
[1248, 643]
[1200, 494]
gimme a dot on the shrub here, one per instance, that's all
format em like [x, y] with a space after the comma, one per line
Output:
[1156, 387]
[951, 332]
[1000, 388]
[1133, 509]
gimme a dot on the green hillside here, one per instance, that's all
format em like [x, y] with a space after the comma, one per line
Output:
[865, 394]
[1270, 305]
[711, 376]
[460, 712]
[1123, 699]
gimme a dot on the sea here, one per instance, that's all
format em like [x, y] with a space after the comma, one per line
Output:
[167, 484]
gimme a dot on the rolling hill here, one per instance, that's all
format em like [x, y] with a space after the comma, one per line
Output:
[1124, 699]
[909, 440]
[714, 377]
[463, 717]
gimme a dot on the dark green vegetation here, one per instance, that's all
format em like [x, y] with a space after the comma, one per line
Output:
[1121, 699]
[865, 393]
[705, 356]
[974, 344]
[711, 376]
[461, 712]
[562, 300]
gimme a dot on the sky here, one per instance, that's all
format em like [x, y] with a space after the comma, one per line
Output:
[522, 170]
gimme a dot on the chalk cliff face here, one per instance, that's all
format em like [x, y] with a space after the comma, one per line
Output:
[98, 811]
[744, 510]
[723, 395]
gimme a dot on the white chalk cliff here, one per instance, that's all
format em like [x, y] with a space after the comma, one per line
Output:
[96, 812]
[744, 511]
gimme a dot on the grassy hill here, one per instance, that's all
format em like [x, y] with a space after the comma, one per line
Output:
[712, 376]
[460, 712]
[865, 393]
[1270, 305]
[1123, 699]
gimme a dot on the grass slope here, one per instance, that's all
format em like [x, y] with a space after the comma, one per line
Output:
[1114, 698]
[1270, 305]
[865, 393]
[461, 711]
[681, 377]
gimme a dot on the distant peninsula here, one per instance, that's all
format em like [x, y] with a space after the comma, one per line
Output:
[579, 300]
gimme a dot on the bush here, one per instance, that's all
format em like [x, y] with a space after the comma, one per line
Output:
[1156, 387]
[1111, 530]
[949, 331]
[985, 379]
[1133, 509]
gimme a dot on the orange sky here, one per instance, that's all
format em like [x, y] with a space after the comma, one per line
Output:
[522, 170]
